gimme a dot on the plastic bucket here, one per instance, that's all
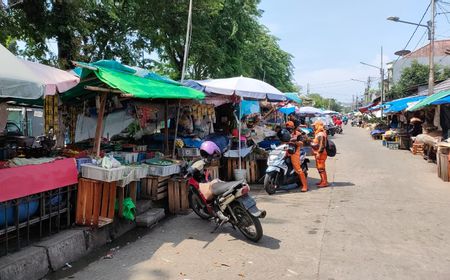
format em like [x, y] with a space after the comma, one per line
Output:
[240, 174]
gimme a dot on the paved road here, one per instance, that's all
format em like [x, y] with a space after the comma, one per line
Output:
[387, 216]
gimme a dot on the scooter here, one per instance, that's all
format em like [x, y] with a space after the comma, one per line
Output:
[339, 129]
[224, 202]
[280, 173]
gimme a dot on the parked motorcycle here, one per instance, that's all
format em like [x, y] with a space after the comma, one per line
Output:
[280, 172]
[224, 202]
[330, 129]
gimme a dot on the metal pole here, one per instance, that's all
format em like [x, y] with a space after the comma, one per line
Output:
[382, 82]
[239, 132]
[431, 61]
[187, 42]
[185, 60]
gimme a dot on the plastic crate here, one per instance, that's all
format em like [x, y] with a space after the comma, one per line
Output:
[102, 174]
[81, 161]
[126, 157]
[140, 148]
[188, 152]
[158, 170]
[393, 145]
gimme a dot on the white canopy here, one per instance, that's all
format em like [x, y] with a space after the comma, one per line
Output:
[54, 79]
[309, 111]
[244, 87]
[31, 80]
[16, 79]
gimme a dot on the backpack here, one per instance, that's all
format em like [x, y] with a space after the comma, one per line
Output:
[331, 148]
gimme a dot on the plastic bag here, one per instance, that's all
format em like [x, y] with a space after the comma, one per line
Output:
[109, 162]
[128, 210]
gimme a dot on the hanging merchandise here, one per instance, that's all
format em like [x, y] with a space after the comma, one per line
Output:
[145, 113]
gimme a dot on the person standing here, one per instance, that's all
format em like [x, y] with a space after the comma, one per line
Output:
[296, 145]
[320, 152]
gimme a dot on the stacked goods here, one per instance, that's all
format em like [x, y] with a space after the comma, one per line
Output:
[417, 148]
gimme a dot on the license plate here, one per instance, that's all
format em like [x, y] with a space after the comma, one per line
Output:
[248, 202]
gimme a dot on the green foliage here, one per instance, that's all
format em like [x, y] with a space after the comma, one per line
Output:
[325, 103]
[227, 38]
[413, 76]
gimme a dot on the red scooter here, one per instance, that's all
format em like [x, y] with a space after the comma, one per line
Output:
[224, 202]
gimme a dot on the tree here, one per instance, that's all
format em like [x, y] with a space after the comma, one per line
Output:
[325, 103]
[227, 38]
[413, 76]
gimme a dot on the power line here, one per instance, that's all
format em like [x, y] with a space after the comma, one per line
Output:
[415, 30]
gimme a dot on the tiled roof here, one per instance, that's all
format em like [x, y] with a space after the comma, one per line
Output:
[439, 49]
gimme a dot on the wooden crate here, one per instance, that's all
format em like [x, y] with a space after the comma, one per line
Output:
[213, 172]
[95, 202]
[443, 165]
[249, 165]
[417, 148]
[154, 187]
[178, 191]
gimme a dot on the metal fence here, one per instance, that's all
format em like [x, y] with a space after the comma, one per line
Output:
[28, 219]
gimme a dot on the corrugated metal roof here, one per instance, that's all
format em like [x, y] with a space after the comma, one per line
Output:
[445, 85]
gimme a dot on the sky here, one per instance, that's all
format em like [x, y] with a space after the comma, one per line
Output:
[330, 38]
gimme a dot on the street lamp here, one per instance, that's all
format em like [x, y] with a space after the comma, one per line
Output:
[430, 27]
[382, 79]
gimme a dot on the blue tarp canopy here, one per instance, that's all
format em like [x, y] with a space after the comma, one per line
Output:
[401, 104]
[293, 96]
[444, 100]
[288, 109]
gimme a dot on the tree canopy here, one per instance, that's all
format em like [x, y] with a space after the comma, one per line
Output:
[325, 103]
[227, 37]
[414, 76]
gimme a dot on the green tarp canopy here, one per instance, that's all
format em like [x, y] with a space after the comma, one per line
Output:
[127, 82]
[429, 100]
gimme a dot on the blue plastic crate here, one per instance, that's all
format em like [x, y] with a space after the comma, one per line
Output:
[81, 161]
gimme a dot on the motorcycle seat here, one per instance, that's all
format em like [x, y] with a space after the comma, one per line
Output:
[220, 188]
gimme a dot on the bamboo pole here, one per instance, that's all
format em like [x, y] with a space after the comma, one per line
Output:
[99, 128]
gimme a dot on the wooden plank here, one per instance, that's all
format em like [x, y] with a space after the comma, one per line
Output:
[184, 194]
[162, 189]
[105, 200]
[112, 199]
[121, 197]
[161, 196]
[99, 127]
[97, 189]
[89, 202]
[80, 202]
[133, 190]
[171, 194]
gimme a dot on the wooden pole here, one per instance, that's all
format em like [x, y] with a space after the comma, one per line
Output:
[176, 127]
[99, 128]
[100, 89]
[166, 128]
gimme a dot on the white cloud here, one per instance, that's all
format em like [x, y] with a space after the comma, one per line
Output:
[335, 82]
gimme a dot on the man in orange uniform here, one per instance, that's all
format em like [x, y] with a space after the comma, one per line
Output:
[320, 152]
[295, 157]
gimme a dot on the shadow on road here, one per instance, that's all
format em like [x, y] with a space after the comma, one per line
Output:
[265, 242]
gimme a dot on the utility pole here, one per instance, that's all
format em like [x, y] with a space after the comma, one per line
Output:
[382, 83]
[431, 29]
[307, 88]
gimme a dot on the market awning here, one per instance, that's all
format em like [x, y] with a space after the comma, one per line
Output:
[429, 100]
[16, 79]
[366, 108]
[123, 78]
[54, 79]
[243, 87]
[401, 104]
[293, 96]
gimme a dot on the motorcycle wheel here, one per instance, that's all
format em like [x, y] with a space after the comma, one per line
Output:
[196, 204]
[269, 183]
[248, 225]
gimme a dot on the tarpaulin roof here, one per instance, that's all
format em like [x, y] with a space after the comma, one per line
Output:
[445, 85]
[54, 79]
[288, 109]
[429, 100]
[16, 79]
[293, 96]
[123, 78]
[366, 108]
[401, 104]
[243, 87]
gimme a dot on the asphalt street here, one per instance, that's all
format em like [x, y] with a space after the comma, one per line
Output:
[385, 216]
